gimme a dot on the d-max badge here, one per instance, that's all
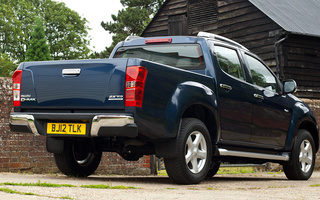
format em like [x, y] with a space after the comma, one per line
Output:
[115, 98]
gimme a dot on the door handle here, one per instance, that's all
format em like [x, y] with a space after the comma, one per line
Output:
[71, 71]
[258, 96]
[227, 87]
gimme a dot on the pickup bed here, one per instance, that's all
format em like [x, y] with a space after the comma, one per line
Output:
[195, 101]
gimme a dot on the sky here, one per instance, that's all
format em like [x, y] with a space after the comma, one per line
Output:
[96, 11]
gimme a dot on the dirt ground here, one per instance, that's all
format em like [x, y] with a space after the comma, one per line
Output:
[240, 186]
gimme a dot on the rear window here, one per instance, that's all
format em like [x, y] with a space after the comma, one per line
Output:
[186, 56]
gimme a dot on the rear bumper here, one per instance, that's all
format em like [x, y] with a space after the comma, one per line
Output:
[22, 123]
[98, 124]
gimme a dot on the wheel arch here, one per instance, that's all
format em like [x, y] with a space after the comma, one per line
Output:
[191, 100]
[207, 116]
[187, 96]
[313, 130]
[198, 111]
[302, 118]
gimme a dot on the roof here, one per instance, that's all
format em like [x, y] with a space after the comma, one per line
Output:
[295, 16]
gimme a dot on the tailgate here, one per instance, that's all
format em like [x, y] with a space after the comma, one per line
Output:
[74, 84]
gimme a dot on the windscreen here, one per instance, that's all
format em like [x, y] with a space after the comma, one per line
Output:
[186, 56]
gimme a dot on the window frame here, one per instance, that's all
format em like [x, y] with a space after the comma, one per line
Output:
[213, 44]
[278, 82]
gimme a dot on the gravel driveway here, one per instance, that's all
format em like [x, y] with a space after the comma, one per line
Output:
[241, 186]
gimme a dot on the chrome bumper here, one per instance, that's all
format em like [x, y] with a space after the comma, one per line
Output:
[109, 121]
[22, 123]
[102, 125]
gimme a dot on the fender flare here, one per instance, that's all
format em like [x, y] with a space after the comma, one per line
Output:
[186, 94]
[301, 114]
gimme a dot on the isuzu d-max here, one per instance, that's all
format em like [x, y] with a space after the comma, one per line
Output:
[196, 101]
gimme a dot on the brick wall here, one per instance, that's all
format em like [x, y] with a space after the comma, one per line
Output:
[315, 106]
[27, 152]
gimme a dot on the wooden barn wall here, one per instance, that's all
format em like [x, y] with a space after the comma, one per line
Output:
[236, 19]
[301, 60]
[243, 22]
[159, 24]
[202, 14]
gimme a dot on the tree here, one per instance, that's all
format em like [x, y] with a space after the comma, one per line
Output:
[6, 66]
[38, 49]
[131, 20]
[66, 32]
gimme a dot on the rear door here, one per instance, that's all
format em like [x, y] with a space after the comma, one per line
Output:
[234, 96]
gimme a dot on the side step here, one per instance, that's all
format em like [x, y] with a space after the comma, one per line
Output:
[225, 152]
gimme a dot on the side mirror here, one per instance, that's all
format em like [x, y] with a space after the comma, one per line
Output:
[289, 86]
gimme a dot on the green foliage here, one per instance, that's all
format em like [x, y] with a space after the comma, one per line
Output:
[315, 185]
[65, 197]
[236, 170]
[66, 32]
[45, 184]
[39, 183]
[103, 54]
[131, 20]
[6, 66]
[102, 186]
[284, 186]
[162, 173]
[38, 50]
[7, 190]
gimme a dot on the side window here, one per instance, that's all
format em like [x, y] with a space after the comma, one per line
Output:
[229, 61]
[261, 76]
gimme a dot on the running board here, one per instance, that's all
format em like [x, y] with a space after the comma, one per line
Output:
[225, 152]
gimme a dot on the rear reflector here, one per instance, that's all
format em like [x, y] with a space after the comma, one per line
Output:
[16, 87]
[135, 81]
[161, 40]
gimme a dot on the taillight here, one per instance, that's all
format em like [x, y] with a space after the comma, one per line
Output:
[135, 81]
[16, 87]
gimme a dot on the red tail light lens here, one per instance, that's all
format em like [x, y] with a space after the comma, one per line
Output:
[16, 87]
[135, 81]
[161, 40]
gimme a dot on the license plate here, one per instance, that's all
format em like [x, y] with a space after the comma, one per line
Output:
[66, 128]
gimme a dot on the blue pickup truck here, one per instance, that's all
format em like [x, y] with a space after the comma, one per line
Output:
[196, 101]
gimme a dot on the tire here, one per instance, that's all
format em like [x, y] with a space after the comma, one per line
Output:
[214, 168]
[77, 159]
[194, 153]
[302, 157]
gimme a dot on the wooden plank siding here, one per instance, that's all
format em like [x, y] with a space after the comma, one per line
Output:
[302, 63]
[202, 15]
[236, 19]
[241, 21]
[159, 24]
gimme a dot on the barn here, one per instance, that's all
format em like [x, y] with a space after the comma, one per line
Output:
[285, 34]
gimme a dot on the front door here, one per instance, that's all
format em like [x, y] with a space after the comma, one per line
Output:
[270, 112]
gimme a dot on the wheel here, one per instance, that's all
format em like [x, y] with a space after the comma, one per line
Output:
[194, 153]
[77, 159]
[214, 168]
[302, 157]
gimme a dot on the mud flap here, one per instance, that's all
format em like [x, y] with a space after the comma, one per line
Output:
[55, 145]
